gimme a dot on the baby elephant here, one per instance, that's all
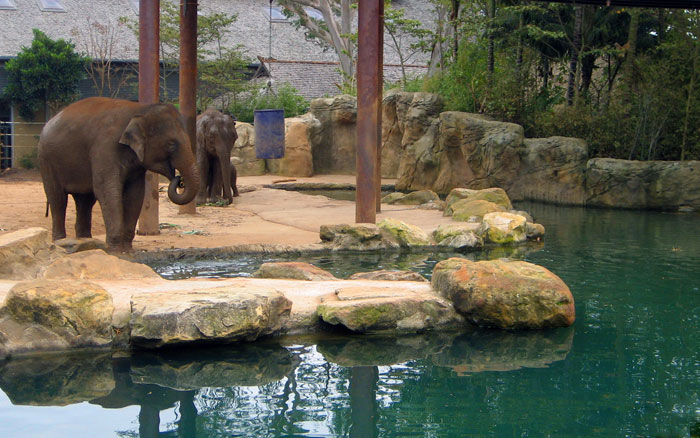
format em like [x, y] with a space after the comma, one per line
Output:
[216, 134]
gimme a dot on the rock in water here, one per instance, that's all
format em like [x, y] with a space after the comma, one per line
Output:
[56, 315]
[406, 235]
[384, 275]
[505, 294]
[222, 315]
[294, 271]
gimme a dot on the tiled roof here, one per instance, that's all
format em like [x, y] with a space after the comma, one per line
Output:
[251, 30]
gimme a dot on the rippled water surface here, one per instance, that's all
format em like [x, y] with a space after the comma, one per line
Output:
[629, 367]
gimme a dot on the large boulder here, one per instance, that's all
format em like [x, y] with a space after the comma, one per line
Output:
[56, 315]
[407, 236]
[96, 264]
[505, 294]
[221, 315]
[243, 152]
[334, 149]
[419, 163]
[495, 195]
[300, 134]
[505, 228]
[552, 169]
[458, 236]
[73, 244]
[386, 309]
[357, 237]
[663, 185]
[25, 252]
[471, 210]
[294, 271]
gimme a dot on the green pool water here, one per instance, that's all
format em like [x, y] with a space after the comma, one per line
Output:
[629, 367]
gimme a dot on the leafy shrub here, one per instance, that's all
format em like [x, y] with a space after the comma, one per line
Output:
[286, 97]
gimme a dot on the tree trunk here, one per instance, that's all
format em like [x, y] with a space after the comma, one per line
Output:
[454, 15]
[491, 11]
[575, 52]
[631, 70]
[689, 100]
[587, 65]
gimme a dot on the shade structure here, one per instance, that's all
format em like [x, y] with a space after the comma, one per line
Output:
[269, 133]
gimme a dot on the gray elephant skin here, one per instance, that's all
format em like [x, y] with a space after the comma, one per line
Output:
[216, 134]
[99, 149]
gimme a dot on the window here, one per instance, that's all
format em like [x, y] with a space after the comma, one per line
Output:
[8, 4]
[51, 6]
[134, 5]
[275, 15]
[314, 13]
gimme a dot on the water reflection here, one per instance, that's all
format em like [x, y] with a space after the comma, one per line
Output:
[284, 387]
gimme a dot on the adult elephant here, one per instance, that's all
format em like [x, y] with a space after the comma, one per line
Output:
[99, 149]
[216, 134]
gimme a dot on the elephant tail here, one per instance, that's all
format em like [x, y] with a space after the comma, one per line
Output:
[46, 214]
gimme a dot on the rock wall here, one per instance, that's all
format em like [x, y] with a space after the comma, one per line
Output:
[427, 149]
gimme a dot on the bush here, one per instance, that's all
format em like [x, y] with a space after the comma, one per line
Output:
[285, 98]
[29, 161]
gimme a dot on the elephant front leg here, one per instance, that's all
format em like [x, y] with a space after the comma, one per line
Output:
[83, 218]
[131, 205]
[110, 197]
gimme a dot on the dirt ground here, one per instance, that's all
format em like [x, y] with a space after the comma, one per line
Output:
[259, 216]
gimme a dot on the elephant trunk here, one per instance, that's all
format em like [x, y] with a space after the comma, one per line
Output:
[225, 163]
[189, 177]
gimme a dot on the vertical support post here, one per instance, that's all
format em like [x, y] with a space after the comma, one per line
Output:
[380, 96]
[368, 110]
[149, 72]
[188, 79]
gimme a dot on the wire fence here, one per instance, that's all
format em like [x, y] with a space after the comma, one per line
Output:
[17, 140]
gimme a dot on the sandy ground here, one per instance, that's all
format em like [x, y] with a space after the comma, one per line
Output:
[258, 217]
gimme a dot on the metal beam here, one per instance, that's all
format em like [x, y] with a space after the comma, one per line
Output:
[380, 80]
[149, 25]
[669, 4]
[188, 78]
[369, 55]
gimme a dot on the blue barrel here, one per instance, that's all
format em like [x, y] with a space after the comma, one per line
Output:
[269, 133]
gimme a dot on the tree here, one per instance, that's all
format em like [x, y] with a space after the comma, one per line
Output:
[47, 72]
[406, 36]
[221, 69]
[333, 31]
[99, 42]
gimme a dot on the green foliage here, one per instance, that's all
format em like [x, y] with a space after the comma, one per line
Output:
[47, 71]
[221, 68]
[643, 105]
[29, 161]
[285, 98]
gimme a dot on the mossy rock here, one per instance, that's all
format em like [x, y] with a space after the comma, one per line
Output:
[417, 198]
[391, 198]
[496, 195]
[504, 228]
[406, 235]
[468, 210]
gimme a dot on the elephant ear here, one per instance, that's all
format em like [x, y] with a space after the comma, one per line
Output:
[134, 137]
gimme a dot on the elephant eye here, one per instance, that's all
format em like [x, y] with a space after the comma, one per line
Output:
[172, 146]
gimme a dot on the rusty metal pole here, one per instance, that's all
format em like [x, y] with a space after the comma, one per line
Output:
[368, 110]
[380, 95]
[188, 78]
[149, 68]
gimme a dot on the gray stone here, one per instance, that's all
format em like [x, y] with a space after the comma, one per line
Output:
[43, 315]
[243, 152]
[24, 253]
[408, 236]
[293, 270]
[495, 195]
[458, 236]
[504, 228]
[300, 133]
[371, 310]
[385, 275]
[471, 210]
[222, 315]
[334, 149]
[96, 264]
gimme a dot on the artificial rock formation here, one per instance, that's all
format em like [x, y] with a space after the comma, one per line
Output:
[384, 275]
[96, 264]
[25, 252]
[371, 310]
[505, 294]
[243, 152]
[300, 133]
[221, 315]
[55, 315]
[335, 150]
